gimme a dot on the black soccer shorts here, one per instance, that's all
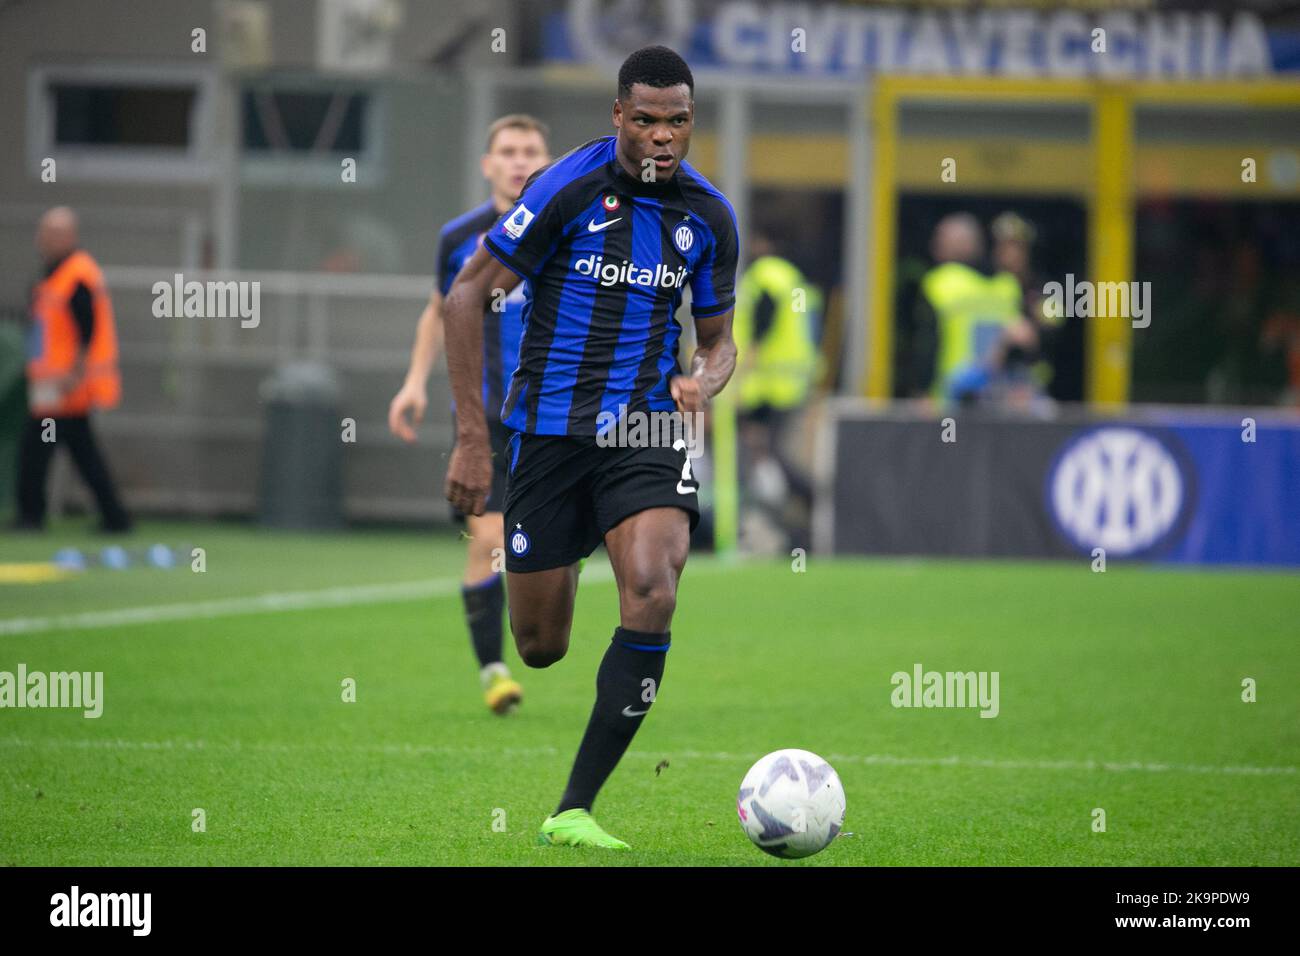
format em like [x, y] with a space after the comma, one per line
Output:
[564, 494]
[498, 437]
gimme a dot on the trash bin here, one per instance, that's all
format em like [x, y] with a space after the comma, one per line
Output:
[302, 451]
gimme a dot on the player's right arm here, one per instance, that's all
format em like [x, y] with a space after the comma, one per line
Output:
[413, 397]
[515, 248]
[469, 476]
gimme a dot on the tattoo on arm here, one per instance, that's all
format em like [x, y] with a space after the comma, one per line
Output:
[715, 354]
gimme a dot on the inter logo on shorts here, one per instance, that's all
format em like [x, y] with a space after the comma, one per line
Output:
[519, 542]
[610, 202]
[683, 238]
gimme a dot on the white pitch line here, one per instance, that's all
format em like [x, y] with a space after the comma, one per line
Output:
[270, 746]
[275, 602]
[226, 607]
[1108, 765]
[256, 604]
[408, 749]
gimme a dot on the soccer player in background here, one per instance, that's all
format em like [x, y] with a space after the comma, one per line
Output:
[604, 239]
[516, 148]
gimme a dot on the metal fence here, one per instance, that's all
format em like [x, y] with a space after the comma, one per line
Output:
[187, 436]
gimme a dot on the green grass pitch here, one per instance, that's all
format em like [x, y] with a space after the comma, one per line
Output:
[1120, 691]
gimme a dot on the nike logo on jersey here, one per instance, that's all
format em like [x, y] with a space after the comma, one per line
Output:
[594, 226]
[629, 712]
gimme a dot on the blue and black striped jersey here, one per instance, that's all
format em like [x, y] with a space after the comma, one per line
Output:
[604, 257]
[501, 329]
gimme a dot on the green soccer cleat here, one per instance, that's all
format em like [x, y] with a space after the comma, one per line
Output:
[577, 828]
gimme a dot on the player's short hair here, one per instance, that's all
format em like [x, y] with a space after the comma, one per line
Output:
[517, 121]
[655, 66]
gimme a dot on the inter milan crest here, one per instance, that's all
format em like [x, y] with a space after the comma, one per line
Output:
[683, 238]
[519, 542]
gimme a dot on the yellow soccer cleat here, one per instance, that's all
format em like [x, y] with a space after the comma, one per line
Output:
[502, 694]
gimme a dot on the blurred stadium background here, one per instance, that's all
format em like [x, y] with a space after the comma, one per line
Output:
[1129, 165]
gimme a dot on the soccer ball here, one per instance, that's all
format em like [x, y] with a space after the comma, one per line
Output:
[791, 804]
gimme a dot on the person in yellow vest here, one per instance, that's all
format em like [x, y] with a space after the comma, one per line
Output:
[967, 318]
[71, 371]
[775, 328]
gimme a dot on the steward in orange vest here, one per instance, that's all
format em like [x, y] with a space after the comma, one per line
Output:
[72, 362]
[71, 371]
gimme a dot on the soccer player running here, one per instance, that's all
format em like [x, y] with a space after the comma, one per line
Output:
[604, 240]
[516, 148]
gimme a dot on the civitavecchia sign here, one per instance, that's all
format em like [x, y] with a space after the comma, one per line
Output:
[841, 39]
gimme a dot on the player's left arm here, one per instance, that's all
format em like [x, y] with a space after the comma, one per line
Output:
[713, 305]
[711, 365]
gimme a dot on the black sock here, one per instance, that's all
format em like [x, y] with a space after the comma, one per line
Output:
[626, 685]
[483, 604]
